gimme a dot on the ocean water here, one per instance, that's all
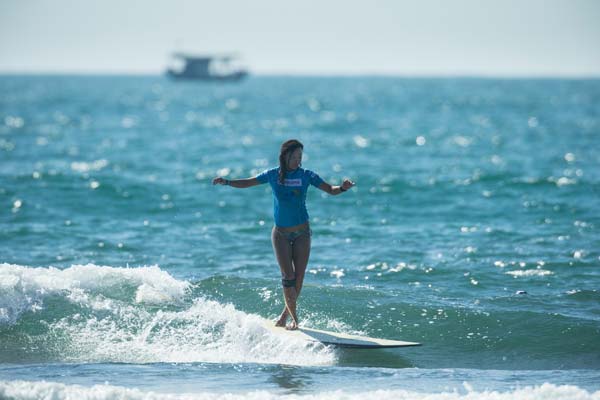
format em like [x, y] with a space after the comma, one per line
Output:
[474, 229]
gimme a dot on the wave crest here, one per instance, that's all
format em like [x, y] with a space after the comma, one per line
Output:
[23, 390]
[25, 289]
[134, 315]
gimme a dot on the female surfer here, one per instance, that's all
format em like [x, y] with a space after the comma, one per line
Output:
[291, 234]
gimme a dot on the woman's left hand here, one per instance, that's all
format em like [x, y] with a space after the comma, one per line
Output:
[347, 184]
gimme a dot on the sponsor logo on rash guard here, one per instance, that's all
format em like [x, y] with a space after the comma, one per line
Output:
[293, 182]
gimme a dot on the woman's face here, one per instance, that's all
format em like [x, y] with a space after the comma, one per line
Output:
[295, 159]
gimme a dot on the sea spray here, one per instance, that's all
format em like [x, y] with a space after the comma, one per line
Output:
[134, 315]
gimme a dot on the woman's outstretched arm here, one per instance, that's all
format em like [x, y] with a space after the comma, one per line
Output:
[333, 190]
[236, 183]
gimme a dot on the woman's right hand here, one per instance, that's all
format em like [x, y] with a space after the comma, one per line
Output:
[219, 181]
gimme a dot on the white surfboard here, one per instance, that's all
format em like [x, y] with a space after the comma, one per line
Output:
[338, 339]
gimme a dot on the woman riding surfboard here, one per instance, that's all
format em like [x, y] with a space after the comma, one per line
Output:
[291, 235]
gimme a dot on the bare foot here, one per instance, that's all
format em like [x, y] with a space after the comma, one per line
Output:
[282, 320]
[292, 326]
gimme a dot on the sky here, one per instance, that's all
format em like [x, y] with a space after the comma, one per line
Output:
[533, 38]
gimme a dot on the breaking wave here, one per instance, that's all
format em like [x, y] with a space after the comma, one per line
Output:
[23, 390]
[90, 313]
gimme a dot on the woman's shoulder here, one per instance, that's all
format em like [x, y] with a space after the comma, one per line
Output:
[270, 171]
[309, 172]
[312, 177]
[267, 175]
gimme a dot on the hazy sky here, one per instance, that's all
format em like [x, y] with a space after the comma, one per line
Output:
[421, 37]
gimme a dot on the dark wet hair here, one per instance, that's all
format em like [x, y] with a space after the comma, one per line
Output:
[287, 148]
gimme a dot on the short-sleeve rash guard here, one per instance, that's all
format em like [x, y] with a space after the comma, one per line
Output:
[289, 198]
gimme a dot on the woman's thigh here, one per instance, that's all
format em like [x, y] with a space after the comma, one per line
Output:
[283, 253]
[301, 254]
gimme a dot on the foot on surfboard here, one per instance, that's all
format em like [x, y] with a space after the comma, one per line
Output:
[281, 321]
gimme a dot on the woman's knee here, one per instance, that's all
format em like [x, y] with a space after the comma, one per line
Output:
[286, 282]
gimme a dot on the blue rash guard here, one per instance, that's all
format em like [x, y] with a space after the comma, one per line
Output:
[289, 198]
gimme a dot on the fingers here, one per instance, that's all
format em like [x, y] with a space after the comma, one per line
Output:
[218, 181]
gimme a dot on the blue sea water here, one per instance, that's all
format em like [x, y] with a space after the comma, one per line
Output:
[474, 228]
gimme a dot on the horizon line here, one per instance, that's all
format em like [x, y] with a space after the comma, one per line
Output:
[323, 74]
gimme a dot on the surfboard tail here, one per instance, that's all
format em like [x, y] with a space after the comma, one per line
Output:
[337, 339]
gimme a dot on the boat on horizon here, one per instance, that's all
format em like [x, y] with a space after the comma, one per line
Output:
[206, 67]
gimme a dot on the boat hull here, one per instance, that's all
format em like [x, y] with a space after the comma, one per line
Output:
[236, 76]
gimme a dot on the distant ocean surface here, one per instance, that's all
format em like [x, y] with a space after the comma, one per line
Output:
[474, 228]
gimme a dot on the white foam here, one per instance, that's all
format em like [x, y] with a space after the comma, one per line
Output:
[117, 326]
[83, 166]
[529, 272]
[205, 332]
[25, 288]
[22, 390]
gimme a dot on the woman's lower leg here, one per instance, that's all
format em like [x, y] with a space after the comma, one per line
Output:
[284, 313]
[290, 296]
